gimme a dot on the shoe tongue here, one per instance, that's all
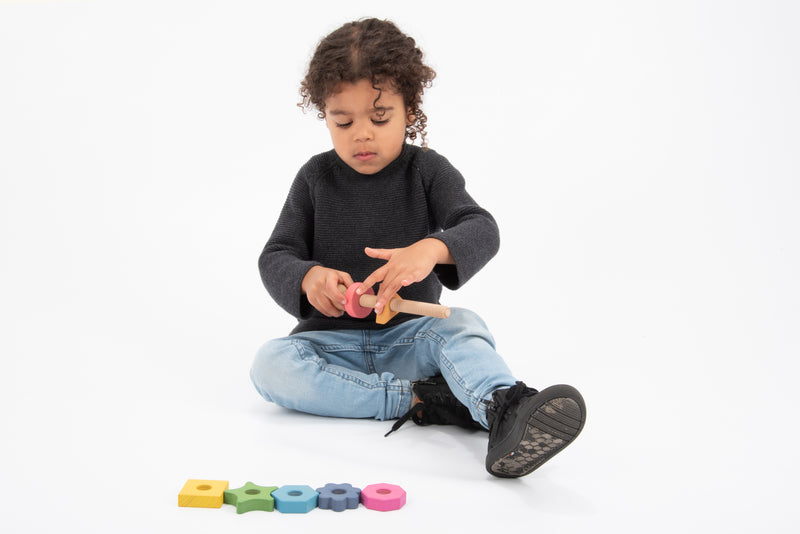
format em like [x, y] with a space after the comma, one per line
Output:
[508, 398]
[515, 392]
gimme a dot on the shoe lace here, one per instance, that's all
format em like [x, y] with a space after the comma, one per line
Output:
[411, 414]
[512, 396]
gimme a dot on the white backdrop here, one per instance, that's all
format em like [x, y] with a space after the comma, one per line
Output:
[640, 157]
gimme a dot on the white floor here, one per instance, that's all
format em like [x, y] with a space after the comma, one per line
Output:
[641, 160]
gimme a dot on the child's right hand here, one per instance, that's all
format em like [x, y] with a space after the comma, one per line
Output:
[321, 287]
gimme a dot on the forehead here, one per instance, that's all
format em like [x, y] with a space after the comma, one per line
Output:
[361, 96]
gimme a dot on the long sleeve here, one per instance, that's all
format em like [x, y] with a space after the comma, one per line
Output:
[469, 231]
[286, 257]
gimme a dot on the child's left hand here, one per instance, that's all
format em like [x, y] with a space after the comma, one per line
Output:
[404, 267]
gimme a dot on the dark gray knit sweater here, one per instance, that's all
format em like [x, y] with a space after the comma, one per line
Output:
[333, 212]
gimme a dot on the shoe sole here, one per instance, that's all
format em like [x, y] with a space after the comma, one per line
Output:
[555, 416]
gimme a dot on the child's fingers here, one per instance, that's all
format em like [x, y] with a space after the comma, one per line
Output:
[324, 305]
[391, 283]
[346, 279]
[371, 280]
[386, 292]
[378, 274]
[324, 294]
[379, 253]
[333, 294]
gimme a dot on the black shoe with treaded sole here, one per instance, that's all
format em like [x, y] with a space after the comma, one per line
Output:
[528, 427]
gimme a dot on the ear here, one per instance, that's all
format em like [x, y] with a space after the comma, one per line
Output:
[410, 117]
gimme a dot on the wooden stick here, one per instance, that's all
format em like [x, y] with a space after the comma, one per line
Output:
[413, 307]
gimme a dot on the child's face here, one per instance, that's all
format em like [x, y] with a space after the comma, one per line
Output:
[366, 134]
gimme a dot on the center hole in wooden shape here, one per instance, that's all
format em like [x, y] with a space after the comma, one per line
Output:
[295, 493]
[338, 491]
[252, 492]
[204, 487]
[384, 491]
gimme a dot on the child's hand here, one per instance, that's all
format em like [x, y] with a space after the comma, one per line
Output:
[404, 267]
[321, 287]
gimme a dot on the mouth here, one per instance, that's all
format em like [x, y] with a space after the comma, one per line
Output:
[365, 156]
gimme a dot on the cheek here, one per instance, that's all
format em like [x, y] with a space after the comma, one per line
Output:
[401, 131]
[397, 129]
[336, 133]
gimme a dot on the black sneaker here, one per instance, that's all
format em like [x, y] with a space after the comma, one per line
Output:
[437, 406]
[528, 427]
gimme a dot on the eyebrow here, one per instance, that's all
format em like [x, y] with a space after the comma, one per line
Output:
[379, 109]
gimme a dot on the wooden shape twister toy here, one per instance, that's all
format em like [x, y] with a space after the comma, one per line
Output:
[353, 306]
[202, 493]
[295, 499]
[383, 497]
[338, 497]
[251, 497]
[291, 499]
[360, 306]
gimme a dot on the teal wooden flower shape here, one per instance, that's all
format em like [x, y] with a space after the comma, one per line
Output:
[251, 497]
[338, 497]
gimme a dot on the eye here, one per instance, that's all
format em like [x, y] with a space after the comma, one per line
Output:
[345, 125]
[379, 122]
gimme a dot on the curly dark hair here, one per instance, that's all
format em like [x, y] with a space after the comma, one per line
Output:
[375, 50]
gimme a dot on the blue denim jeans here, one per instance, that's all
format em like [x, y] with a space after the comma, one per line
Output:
[368, 373]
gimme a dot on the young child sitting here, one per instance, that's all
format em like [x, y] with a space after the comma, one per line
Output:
[379, 209]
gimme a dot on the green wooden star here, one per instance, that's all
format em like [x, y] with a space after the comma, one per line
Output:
[251, 497]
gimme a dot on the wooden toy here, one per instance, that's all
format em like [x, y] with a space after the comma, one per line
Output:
[338, 497]
[295, 499]
[202, 493]
[353, 305]
[251, 497]
[388, 311]
[360, 306]
[290, 499]
[383, 497]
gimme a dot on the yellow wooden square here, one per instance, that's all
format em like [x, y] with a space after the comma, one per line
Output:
[203, 493]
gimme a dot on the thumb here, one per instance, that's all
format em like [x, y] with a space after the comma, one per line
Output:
[379, 253]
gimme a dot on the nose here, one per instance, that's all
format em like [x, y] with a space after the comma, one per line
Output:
[363, 132]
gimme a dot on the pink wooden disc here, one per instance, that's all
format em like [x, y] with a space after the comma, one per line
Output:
[383, 497]
[353, 307]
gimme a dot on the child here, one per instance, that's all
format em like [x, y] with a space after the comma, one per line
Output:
[381, 210]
